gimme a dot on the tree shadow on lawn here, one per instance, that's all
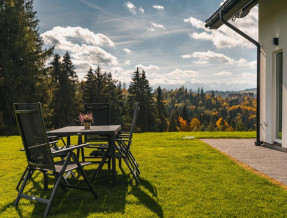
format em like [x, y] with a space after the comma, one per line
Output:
[78, 203]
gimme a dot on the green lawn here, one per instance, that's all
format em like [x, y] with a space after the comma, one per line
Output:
[180, 178]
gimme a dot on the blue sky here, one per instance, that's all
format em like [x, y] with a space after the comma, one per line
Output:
[165, 38]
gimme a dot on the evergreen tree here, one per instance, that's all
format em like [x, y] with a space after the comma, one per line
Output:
[100, 83]
[140, 91]
[147, 106]
[63, 101]
[161, 111]
[90, 87]
[185, 114]
[102, 88]
[22, 60]
[173, 123]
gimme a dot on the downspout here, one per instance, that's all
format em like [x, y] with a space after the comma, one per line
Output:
[258, 142]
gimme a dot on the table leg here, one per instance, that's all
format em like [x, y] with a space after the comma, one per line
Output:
[113, 150]
[68, 141]
[81, 150]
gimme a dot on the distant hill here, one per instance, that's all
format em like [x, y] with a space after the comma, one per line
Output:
[226, 93]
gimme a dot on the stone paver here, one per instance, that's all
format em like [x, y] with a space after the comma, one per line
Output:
[270, 162]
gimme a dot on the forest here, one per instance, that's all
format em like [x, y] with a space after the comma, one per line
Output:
[26, 75]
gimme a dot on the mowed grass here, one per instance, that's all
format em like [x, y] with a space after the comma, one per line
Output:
[180, 178]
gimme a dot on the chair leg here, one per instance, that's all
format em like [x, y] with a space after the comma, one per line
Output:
[99, 167]
[22, 177]
[86, 179]
[83, 155]
[28, 176]
[58, 176]
[109, 163]
[120, 163]
[45, 180]
[133, 164]
[135, 176]
[57, 183]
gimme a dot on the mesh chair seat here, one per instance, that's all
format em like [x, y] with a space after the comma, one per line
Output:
[98, 153]
[70, 166]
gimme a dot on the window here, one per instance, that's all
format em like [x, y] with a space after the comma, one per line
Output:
[279, 77]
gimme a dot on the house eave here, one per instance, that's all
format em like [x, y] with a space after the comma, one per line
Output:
[230, 8]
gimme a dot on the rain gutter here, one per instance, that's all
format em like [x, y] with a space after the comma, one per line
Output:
[258, 142]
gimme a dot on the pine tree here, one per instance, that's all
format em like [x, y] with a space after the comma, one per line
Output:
[147, 106]
[173, 122]
[90, 87]
[102, 88]
[161, 111]
[185, 114]
[140, 91]
[63, 102]
[22, 60]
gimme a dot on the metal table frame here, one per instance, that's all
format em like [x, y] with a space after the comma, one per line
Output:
[110, 130]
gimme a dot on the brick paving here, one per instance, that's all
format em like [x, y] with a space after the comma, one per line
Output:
[270, 162]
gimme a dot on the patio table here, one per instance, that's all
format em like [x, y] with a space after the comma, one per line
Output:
[110, 130]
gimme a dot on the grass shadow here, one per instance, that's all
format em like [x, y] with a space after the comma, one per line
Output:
[78, 203]
[145, 198]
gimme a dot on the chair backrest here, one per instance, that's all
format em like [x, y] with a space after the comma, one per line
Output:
[101, 113]
[135, 116]
[31, 127]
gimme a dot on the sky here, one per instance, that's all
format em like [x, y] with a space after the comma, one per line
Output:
[166, 38]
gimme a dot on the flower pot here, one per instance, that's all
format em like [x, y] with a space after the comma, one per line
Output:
[87, 125]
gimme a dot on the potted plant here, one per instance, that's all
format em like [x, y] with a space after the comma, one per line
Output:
[86, 119]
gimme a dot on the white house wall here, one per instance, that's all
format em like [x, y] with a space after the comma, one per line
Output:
[272, 23]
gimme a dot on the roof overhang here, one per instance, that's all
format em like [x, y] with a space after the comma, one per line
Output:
[230, 9]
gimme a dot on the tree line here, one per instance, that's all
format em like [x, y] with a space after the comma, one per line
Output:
[25, 76]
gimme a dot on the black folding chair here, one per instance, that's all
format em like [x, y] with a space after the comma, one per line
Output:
[101, 116]
[124, 141]
[39, 156]
[53, 144]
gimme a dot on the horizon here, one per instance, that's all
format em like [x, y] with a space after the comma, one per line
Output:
[166, 39]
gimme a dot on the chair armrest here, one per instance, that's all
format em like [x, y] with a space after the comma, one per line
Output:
[123, 140]
[125, 133]
[69, 149]
[52, 137]
[53, 142]
[123, 136]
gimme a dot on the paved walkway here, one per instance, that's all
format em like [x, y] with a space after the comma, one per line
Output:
[270, 162]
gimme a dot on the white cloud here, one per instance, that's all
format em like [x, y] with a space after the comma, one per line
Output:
[249, 76]
[131, 7]
[224, 37]
[202, 62]
[141, 10]
[150, 29]
[65, 35]
[126, 50]
[83, 45]
[147, 68]
[175, 77]
[210, 56]
[195, 22]
[158, 26]
[223, 73]
[186, 56]
[158, 7]
[94, 54]
[221, 3]
[121, 75]
[128, 62]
